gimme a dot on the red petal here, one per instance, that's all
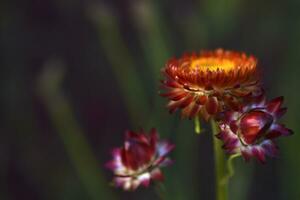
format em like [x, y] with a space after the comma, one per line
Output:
[230, 144]
[259, 154]
[157, 175]
[246, 155]
[212, 105]
[179, 96]
[137, 151]
[274, 104]
[145, 182]
[282, 129]
[130, 136]
[278, 130]
[270, 148]
[279, 113]
[229, 116]
[202, 99]
[186, 101]
[254, 125]
[175, 94]
[171, 84]
[233, 126]
[195, 110]
[173, 106]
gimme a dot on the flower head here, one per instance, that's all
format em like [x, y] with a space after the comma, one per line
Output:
[207, 83]
[139, 160]
[252, 130]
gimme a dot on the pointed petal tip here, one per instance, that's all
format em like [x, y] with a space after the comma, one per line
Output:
[270, 148]
[246, 155]
[274, 105]
[157, 175]
[280, 112]
[291, 132]
[259, 154]
[211, 105]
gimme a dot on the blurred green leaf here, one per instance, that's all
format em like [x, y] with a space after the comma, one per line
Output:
[121, 62]
[76, 145]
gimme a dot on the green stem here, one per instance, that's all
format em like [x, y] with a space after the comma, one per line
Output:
[220, 172]
[230, 168]
[197, 125]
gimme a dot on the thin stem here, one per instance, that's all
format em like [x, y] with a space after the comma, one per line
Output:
[230, 168]
[197, 125]
[221, 188]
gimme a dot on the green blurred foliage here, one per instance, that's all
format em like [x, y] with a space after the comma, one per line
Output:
[56, 136]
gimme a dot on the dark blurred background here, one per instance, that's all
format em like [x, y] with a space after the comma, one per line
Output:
[76, 73]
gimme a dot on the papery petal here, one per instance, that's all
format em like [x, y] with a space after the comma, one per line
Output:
[186, 101]
[139, 160]
[144, 179]
[280, 112]
[230, 144]
[216, 80]
[270, 148]
[246, 154]
[202, 100]
[253, 125]
[212, 105]
[259, 153]
[277, 130]
[166, 162]
[274, 104]
[164, 147]
[156, 174]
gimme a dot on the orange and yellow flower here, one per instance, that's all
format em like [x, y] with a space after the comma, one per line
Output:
[207, 83]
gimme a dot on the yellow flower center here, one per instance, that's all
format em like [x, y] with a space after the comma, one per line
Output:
[212, 64]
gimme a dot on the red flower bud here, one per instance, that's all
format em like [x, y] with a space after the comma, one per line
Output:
[139, 160]
[252, 130]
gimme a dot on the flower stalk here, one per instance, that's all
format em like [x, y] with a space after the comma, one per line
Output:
[230, 168]
[221, 187]
[197, 125]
